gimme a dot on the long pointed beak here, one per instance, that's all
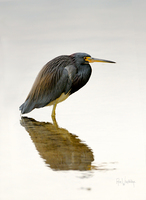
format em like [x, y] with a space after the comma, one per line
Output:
[91, 60]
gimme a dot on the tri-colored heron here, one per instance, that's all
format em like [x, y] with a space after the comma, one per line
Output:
[58, 79]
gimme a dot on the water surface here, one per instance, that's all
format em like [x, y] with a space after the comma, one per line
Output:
[98, 141]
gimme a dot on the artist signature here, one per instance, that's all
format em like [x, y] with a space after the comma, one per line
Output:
[125, 181]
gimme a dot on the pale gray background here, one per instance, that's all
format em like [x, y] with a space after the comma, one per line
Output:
[108, 114]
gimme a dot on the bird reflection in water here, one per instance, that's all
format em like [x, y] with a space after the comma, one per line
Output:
[60, 149]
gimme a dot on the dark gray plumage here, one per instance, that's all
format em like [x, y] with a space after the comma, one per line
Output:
[58, 79]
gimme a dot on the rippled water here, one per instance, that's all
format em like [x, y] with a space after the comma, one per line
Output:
[60, 149]
[96, 147]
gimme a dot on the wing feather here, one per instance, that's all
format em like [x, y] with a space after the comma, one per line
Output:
[53, 80]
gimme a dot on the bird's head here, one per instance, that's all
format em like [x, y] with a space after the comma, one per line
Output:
[84, 58]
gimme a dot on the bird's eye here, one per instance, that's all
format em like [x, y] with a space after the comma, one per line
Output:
[86, 59]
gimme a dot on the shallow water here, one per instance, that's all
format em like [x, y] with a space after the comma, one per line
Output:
[96, 148]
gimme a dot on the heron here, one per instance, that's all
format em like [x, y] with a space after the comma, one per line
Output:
[58, 79]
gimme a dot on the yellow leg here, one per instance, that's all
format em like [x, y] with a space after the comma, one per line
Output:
[53, 115]
[53, 111]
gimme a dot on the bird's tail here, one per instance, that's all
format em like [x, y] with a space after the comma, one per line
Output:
[26, 107]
